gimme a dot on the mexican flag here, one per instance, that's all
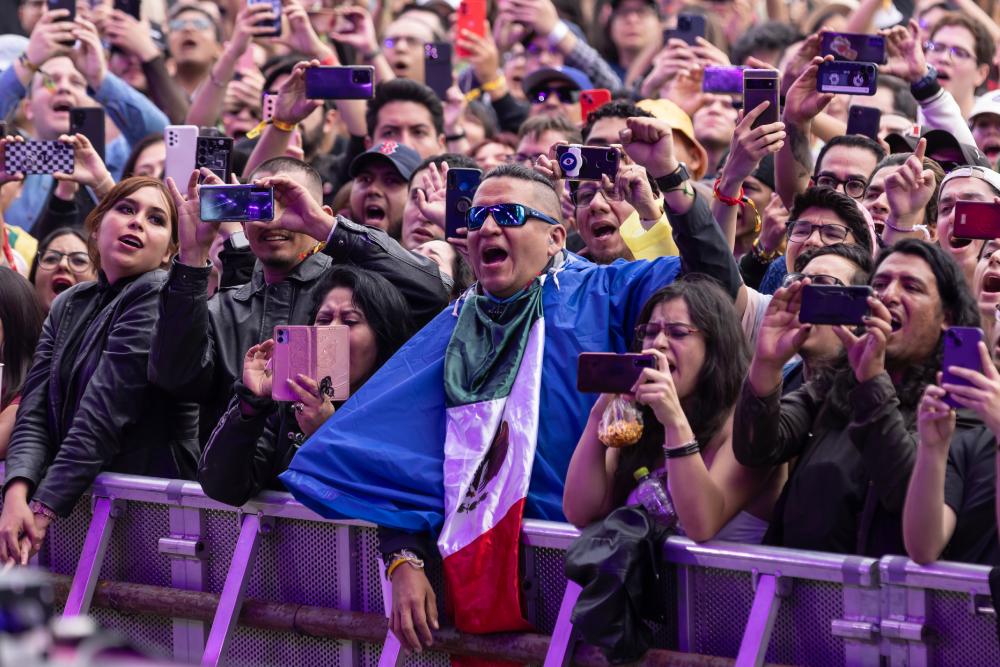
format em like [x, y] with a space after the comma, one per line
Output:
[492, 374]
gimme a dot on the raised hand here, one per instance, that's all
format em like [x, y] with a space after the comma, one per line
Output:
[88, 56]
[292, 106]
[300, 213]
[252, 22]
[257, 373]
[88, 167]
[484, 56]
[866, 353]
[431, 196]
[983, 394]
[935, 419]
[909, 189]
[649, 142]
[131, 35]
[299, 34]
[772, 227]
[781, 335]
[750, 144]
[52, 36]
[803, 102]
[194, 236]
[905, 52]
[312, 408]
[354, 27]
[633, 184]
[655, 389]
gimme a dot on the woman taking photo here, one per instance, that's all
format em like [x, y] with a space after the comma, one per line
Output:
[257, 437]
[20, 325]
[687, 402]
[86, 405]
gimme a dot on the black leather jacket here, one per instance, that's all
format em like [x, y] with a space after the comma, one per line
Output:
[87, 405]
[199, 343]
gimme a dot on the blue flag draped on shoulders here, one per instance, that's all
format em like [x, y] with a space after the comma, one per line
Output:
[380, 457]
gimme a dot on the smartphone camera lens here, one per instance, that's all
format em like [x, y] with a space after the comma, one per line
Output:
[361, 76]
[683, 23]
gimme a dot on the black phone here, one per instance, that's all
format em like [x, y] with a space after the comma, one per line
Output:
[69, 5]
[437, 68]
[853, 47]
[274, 25]
[864, 121]
[340, 83]
[976, 220]
[961, 349]
[588, 163]
[834, 304]
[89, 121]
[689, 27]
[759, 86]
[131, 7]
[460, 187]
[235, 203]
[610, 373]
[847, 78]
[215, 154]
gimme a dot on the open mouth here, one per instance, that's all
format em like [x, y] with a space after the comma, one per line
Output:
[61, 284]
[131, 241]
[992, 148]
[991, 283]
[189, 44]
[603, 230]
[60, 107]
[274, 237]
[493, 256]
[896, 324]
[374, 213]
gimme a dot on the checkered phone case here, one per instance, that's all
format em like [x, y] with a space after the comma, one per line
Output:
[38, 157]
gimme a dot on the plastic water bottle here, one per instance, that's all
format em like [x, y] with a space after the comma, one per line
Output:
[654, 498]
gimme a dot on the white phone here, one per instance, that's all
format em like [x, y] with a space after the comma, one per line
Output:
[182, 146]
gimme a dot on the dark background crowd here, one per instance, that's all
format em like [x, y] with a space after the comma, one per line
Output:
[136, 338]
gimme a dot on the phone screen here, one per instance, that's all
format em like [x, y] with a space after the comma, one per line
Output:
[239, 203]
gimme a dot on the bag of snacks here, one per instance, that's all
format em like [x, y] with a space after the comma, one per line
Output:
[621, 423]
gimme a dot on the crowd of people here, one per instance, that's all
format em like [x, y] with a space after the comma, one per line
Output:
[137, 338]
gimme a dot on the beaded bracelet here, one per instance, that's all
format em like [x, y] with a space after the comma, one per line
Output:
[686, 449]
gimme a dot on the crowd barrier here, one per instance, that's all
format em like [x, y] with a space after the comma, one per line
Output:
[749, 603]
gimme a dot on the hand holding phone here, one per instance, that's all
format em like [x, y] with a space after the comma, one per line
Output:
[588, 163]
[461, 185]
[235, 203]
[961, 349]
[340, 83]
[317, 352]
[759, 86]
[610, 373]
[471, 18]
[835, 304]
[847, 78]
[592, 100]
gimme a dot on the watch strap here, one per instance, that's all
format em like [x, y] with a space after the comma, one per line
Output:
[674, 179]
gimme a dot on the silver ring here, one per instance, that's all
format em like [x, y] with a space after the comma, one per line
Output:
[298, 406]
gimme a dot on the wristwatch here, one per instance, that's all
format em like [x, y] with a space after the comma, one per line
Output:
[397, 558]
[673, 180]
[921, 89]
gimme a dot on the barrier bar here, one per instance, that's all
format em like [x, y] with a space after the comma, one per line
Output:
[106, 510]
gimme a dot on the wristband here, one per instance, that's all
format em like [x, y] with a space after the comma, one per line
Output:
[915, 228]
[494, 84]
[728, 201]
[762, 255]
[558, 32]
[687, 449]
[372, 55]
[27, 64]
[400, 557]
[282, 125]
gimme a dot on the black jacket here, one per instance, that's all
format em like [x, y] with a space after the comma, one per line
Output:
[199, 343]
[87, 405]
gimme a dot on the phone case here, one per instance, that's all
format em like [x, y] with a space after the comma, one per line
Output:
[437, 68]
[181, 141]
[592, 100]
[760, 85]
[976, 220]
[853, 47]
[215, 154]
[38, 157]
[131, 7]
[864, 121]
[64, 4]
[588, 163]
[471, 17]
[276, 8]
[460, 187]
[340, 83]
[689, 27]
[610, 373]
[834, 304]
[90, 123]
[724, 80]
[961, 348]
[319, 352]
[267, 105]
[851, 78]
[235, 203]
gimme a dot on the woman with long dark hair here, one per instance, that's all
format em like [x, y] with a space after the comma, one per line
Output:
[257, 437]
[87, 405]
[20, 325]
[692, 328]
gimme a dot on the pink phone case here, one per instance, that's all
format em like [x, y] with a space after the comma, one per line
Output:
[319, 352]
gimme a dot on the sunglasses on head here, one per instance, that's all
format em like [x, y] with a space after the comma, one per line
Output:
[505, 215]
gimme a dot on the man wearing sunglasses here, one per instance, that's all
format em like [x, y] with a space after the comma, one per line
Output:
[534, 309]
[555, 91]
[195, 41]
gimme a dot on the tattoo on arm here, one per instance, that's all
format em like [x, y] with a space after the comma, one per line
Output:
[798, 141]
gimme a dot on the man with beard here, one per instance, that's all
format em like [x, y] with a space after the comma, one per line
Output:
[198, 348]
[852, 429]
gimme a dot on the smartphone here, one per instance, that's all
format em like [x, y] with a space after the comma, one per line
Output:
[318, 352]
[215, 154]
[725, 80]
[471, 17]
[38, 157]
[181, 141]
[268, 101]
[961, 349]
[275, 25]
[850, 78]
[853, 47]
[235, 203]
[460, 187]
[834, 304]
[69, 5]
[131, 7]
[340, 83]
[759, 86]
[976, 220]
[437, 68]
[89, 121]
[610, 373]
[588, 163]
[864, 121]
[689, 27]
[592, 100]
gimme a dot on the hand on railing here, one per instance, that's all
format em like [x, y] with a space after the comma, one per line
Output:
[414, 608]
[21, 531]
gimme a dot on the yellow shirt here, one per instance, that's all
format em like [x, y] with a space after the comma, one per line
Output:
[657, 242]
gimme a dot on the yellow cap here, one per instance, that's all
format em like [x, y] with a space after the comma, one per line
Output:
[680, 122]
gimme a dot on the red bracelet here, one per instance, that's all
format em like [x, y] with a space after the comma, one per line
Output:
[728, 201]
[329, 61]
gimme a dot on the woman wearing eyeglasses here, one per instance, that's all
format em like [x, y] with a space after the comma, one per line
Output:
[62, 261]
[694, 332]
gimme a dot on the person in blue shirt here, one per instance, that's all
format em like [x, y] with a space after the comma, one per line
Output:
[54, 76]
